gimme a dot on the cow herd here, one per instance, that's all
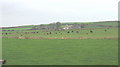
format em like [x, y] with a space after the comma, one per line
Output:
[48, 32]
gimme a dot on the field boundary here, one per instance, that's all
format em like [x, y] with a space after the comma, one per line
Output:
[61, 37]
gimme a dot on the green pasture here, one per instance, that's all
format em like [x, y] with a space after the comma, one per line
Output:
[60, 52]
[106, 23]
[17, 28]
[110, 23]
[97, 32]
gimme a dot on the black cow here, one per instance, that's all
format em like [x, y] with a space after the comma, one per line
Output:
[68, 32]
[6, 33]
[50, 33]
[91, 31]
[105, 30]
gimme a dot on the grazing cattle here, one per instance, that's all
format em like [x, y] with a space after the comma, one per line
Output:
[33, 32]
[105, 30]
[36, 32]
[50, 33]
[6, 33]
[72, 31]
[91, 31]
[68, 32]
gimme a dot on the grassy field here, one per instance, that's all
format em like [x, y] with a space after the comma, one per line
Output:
[109, 23]
[17, 28]
[112, 32]
[60, 52]
[29, 51]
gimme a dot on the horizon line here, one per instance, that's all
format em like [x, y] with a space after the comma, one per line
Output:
[61, 22]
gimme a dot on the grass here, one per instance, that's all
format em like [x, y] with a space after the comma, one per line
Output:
[17, 28]
[107, 23]
[60, 52]
[112, 32]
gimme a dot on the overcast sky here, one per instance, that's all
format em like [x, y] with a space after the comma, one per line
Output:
[32, 12]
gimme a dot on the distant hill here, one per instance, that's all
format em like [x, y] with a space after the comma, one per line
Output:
[99, 24]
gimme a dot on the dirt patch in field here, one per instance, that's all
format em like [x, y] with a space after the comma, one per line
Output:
[63, 37]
